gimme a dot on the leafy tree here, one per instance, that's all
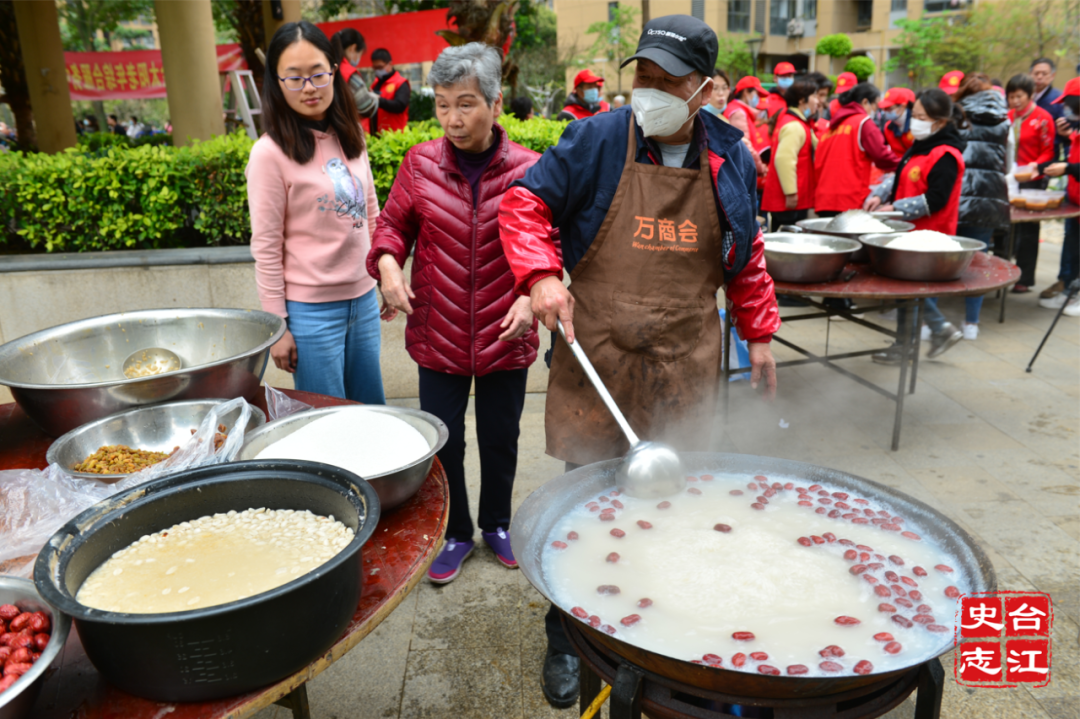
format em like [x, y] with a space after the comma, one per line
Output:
[838, 45]
[616, 39]
[13, 76]
[1011, 34]
[243, 20]
[81, 20]
[862, 67]
[918, 43]
[734, 58]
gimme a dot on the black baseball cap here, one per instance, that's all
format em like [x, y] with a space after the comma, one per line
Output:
[679, 44]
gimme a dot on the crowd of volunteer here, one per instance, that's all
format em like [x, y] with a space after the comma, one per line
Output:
[651, 206]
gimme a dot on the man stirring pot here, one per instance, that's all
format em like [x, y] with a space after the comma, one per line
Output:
[653, 204]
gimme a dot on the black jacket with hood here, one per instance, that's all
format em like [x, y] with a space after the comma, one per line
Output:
[984, 196]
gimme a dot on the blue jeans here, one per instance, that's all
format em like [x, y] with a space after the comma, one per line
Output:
[1070, 252]
[337, 348]
[972, 305]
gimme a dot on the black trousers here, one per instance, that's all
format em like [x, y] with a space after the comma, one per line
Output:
[788, 217]
[1026, 238]
[500, 398]
[556, 636]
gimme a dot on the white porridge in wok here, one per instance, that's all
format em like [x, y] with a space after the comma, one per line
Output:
[213, 560]
[769, 575]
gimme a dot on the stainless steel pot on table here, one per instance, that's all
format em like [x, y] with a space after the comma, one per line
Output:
[544, 508]
[18, 700]
[819, 225]
[394, 488]
[789, 266]
[919, 265]
[157, 428]
[68, 375]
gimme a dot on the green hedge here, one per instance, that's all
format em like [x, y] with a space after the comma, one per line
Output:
[107, 196]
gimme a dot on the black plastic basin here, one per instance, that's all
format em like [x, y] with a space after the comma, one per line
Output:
[230, 648]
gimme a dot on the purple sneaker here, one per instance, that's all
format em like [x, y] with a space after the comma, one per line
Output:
[499, 542]
[447, 565]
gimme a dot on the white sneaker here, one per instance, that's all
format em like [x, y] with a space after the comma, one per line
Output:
[971, 332]
[1053, 303]
[1073, 308]
[925, 337]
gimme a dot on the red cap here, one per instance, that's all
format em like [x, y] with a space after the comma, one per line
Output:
[784, 68]
[846, 81]
[747, 82]
[896, 96]
[950, 83]
[1072, 89]
[587, 76]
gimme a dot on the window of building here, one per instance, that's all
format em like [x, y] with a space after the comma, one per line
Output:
[738, 15]
[780, 12]
[810, 10]
[898, 5]
[865, 10]
[944, 5]
[611, 8]
[697, 9]
[759, 16]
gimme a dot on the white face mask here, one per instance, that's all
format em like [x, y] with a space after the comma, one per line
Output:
[660, 113]
[921, 129]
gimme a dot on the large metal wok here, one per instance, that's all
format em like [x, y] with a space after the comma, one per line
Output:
[545, 507]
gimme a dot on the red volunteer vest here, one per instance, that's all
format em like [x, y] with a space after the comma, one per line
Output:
[772, 200]
[898, 143]
[391, 120]
[1073, 191]
[821, 127]
[759, 136]
[580, 113]
[842, 168]
[912, 182]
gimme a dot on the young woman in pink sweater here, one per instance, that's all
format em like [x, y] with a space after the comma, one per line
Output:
[313, 212]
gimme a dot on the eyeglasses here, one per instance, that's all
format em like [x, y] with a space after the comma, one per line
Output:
[318, 80]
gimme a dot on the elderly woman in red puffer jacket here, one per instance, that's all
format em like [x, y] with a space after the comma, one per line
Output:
[465, 323]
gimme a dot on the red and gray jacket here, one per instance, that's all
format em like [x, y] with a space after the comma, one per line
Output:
[572, 186]
[460, 275]
[578, 109]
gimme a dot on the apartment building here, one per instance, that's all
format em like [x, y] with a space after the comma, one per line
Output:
[789, 29]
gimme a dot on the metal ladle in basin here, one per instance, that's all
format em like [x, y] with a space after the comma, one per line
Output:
[157, 359]
[650, 469]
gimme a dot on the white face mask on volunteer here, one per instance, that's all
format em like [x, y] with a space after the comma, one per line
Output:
[921, 129]
[660, 113]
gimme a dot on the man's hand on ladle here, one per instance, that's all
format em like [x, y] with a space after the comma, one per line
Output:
[551, 303]
[762, 365]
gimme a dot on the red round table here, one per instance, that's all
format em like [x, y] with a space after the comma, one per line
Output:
[399, 553]
[858, 282]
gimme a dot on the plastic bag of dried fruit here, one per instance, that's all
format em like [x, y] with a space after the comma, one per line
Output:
[34, 503]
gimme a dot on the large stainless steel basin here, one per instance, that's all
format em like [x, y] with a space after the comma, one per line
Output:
[68, 375]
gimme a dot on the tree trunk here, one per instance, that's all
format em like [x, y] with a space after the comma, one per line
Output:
[247, 20]
[13, 76]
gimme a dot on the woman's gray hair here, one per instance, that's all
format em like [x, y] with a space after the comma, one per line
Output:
[457, 65]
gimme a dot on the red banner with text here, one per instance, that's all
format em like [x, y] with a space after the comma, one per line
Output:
[410, 38]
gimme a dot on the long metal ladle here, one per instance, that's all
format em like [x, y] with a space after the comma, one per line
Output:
[650, 469]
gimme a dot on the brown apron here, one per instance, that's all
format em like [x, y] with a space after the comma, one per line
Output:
[645, 313]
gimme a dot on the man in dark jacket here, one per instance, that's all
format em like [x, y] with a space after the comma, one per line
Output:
[653, 205]
[1043, 71]
[466, 324]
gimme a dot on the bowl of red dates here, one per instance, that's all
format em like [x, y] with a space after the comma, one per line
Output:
[31, 637]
